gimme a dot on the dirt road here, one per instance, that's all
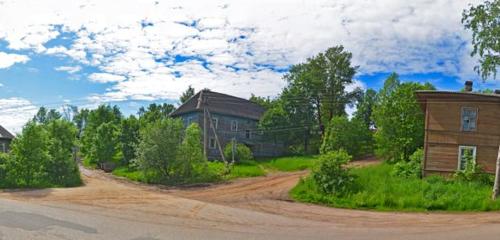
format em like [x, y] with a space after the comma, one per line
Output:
[249, 208]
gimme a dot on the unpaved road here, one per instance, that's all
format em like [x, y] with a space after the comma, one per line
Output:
[256, 208]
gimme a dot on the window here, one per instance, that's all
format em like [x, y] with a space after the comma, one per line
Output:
[4, 148]
[248, 134]
[234, 125]
[212, 143]
[469, 119]
[463, 153]
[189, 121]
[215, 122]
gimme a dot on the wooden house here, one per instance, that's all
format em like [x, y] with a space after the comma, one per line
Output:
[5, 139]
[232, 118]
[457, 124]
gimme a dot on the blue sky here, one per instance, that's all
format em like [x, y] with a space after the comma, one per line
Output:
[90, 52]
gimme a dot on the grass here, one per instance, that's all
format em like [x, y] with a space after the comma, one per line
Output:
[254, 168]
[288, 164]
[378, 190]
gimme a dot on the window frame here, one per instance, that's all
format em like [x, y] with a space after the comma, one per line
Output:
[474, 154]
[248, 134]
[210, 141]
[215, 121]
[462, 120]
[235, 124]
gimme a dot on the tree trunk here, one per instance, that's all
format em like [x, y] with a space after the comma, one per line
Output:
[496, 187]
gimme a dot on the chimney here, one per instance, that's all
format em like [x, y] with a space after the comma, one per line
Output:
[468, 86]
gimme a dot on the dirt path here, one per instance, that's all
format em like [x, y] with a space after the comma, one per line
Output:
[219, 205]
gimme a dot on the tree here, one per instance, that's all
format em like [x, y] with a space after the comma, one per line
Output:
[69, 112]
[192, 166]
[61, 168]
[353, 136]
[321, 83]
[187, 94]
[41, 115]
[364, 108]
[155, 112]
[264, 102]
[158, 149]
[483, 20]
[129, 138]
[105, 144]
[80, 120]
[30, 156]
[399, 119]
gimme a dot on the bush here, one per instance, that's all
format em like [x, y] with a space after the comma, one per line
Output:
[354, 136]
[243, 153]
[473, 172]
[411, 168]
[3, 159]
[330, 174]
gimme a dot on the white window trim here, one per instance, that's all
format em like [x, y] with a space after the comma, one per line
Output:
[249, 134]
[210, 140]
[474, 152]
[235, 124]
[462, 115]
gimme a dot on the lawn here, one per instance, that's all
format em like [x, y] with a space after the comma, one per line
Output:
[244, 169]
[378, 190]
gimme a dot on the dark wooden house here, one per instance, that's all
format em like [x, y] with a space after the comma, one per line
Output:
[457, 124]
[232, 118]
[5, 139]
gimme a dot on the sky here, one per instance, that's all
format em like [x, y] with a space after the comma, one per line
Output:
[135, 52]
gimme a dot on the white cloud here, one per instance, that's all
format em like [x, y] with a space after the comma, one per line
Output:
[105, 78]
[384, 35]
[15, 112]
[7, 60]
[69, 69]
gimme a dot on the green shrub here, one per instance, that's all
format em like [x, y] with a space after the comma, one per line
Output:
[354, 136]
[331, 175]
[411, 168]
[472, 172]
[243, 153]
[3, 173]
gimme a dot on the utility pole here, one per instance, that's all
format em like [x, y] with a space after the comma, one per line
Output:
[233, 149]
[216, 136]
[202, 104]
[496, 187]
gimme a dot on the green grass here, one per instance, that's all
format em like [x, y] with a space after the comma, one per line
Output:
[378, 190]
[240, 170]
[288, 164]
[132, 174]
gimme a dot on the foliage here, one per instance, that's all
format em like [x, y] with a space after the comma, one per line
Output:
[321, 83]
[331, 175]
[105, 144]
[399, 119]
[354, 136]
[43, 116]
[80, 120]
[473, 172]
[380, 190]
[30, 155]
[288, 164]
[192, 166]
[483, 21]
[411, 168]
[155, 112]
[364, 108]
[187, 94]
[130, 173]
[61, 167]
[238, 170]
[4, 158]
[265, 102]
[129, 138]
[242, 153]
[158, 149]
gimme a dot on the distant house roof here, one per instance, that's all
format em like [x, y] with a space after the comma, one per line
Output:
[425, 96]
[222, 104]
[5, 134]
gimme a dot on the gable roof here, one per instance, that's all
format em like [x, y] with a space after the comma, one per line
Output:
[5, 134]
[222, 104]
[424, 96]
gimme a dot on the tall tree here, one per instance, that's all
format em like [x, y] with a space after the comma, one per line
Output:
[187, 94]
[80, 120]
[129, 138]
[321, 83]
[155, 112]
[105, 144]
[41, 115]
[399, 119]
[264, 102]
[364, 108]
[484, 22]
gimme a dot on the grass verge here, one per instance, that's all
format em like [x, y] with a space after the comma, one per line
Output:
[377, 189]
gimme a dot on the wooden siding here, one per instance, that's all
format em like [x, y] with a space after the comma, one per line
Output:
[444, 134]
